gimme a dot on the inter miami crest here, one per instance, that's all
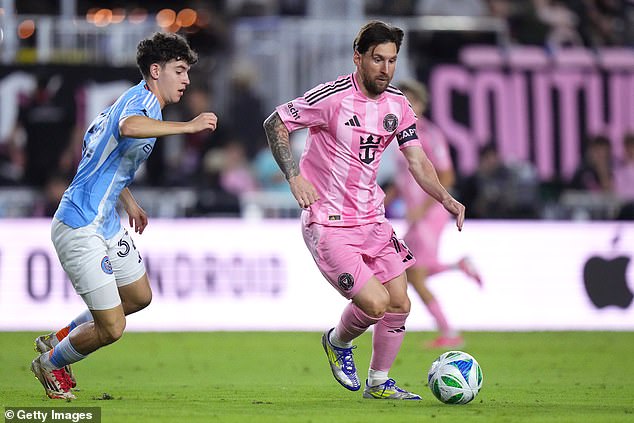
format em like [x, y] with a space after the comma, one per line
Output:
[345, 281]
[390, 122]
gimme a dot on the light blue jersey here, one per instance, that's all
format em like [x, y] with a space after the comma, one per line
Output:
[108, 164]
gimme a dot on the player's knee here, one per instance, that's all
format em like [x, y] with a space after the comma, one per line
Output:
[145, 300]
[376, 307]
[136, 302]
[402, 305]
[112, 332]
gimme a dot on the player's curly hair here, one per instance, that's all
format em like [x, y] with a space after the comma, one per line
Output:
[161, 48]
[377, 32]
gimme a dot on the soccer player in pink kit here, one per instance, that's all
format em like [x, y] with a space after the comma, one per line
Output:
[351, 121]
[426, 218]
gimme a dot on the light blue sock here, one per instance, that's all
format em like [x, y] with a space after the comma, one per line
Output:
[84, 317]
[64, 354]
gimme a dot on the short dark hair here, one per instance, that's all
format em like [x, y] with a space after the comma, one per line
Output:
[161, 48]
[377, 32]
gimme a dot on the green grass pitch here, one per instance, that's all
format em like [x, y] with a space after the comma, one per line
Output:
[277, 377]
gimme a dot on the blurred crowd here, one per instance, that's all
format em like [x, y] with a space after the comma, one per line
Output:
[589, 23]
[542, 22]
[221, 167]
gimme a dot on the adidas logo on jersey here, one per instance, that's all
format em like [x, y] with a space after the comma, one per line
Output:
[353, 122]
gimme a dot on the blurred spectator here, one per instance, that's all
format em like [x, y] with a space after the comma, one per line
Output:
[624, 179]
[482, 193]
[246, 111]
[502, 9]
[11, 161]
[52, 195]
[604, 22]
[46, 118]
[213, 198]
[595, 173]
[235, 173]
[184, 154]
[525, 27]
[562, 23]
[209, 36]
[267, 172]
[501, 191]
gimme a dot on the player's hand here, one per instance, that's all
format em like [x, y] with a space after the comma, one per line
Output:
[203, 121]
[303, 191]
[456, 208]
[137, 218]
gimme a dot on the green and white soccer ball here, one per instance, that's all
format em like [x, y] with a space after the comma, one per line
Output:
[455, 377]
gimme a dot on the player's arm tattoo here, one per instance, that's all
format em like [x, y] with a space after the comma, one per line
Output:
[279, 142]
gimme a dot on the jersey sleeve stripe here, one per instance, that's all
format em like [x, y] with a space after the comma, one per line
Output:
[317, 92]
[327, 94]
[391, 89]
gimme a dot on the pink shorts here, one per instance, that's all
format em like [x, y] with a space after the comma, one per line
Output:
[349, 256]
[423, 237]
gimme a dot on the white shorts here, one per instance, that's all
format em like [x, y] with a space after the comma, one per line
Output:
[97, 266]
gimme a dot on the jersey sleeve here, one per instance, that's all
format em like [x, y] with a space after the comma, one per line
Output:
[298, 113]
[406, 133]
[140, 106]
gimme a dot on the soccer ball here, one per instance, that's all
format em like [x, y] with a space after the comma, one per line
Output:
[455, 377]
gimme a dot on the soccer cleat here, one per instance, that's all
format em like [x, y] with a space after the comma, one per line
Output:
[447, 342]
[341, 363]
[43, 343]
[466, 265]
[388, 390]
[55, 382]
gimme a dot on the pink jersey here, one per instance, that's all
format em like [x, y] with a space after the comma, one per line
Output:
[348, 133]
[437, 150]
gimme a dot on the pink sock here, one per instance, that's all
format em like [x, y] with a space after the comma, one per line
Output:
[353, 323]
[436, 311]
[387, 339]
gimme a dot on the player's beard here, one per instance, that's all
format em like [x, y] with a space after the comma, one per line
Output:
[372, 87]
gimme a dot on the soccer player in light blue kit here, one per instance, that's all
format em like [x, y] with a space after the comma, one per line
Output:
[96, 252]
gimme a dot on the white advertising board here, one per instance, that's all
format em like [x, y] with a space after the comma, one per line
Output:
[231, 274]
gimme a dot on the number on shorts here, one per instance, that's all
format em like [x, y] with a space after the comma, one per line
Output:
[125, 250]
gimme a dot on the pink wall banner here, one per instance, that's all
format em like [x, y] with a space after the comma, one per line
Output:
[536, 106]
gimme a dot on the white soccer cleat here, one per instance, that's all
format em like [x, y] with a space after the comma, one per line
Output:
[44, 343]
[56, 382]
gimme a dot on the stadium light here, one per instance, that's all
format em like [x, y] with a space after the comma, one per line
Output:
[26, 28]
[166, 18]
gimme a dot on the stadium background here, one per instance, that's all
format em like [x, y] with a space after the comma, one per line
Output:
[499, 72]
